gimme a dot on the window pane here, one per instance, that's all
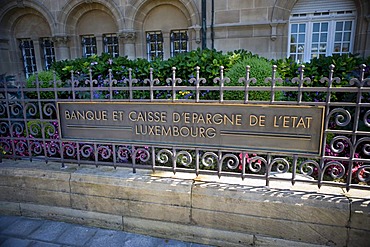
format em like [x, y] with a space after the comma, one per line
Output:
[347, 36]
[337, 47]
[315, 37]
[316, 27]
[322, 48]
[294, 38]
[315, 48]
[184, 45]
[323, 37]
[324, 27]
[345, 48]
[302, 28]
[348, 26]
[293, 48]
[338, 36]
[339, 26]
[300, 58]
[301, 38]
[294, 28]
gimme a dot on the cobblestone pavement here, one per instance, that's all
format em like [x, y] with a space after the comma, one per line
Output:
[17, 231]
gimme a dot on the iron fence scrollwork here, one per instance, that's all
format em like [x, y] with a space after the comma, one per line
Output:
[29, 127]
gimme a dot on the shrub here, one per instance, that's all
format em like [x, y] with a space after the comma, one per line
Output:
[347, 66]
[209, 62]
[46, 80]
[260, 68]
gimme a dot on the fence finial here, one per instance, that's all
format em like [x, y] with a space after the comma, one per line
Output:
[247, 80]
[173, 80]
[222, 81]
[151, 82]
[362, 81]
[196, 81]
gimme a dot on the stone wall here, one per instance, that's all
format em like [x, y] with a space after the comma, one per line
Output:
[203, 209]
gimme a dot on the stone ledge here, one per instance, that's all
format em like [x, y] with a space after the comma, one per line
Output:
[205, 209]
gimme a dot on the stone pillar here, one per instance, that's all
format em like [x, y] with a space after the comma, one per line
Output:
[38, 54]
[99, 44]
[127, 41]
[5, 62]
[166, 45]
[61, 47]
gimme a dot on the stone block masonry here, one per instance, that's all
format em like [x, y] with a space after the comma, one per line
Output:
[203, 209]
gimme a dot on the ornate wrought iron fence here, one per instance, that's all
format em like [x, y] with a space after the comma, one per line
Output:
[29, 127]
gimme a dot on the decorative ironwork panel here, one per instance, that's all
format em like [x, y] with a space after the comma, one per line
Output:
[269, 144]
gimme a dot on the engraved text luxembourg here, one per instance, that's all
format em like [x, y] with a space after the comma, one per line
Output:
[270, 128]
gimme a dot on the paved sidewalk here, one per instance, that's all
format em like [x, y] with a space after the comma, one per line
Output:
[16, 231]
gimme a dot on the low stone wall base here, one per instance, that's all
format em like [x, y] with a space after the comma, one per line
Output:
[203, 209]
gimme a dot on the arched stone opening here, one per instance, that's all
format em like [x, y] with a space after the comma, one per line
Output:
[94, 20]
[20, 25]
[149, 15]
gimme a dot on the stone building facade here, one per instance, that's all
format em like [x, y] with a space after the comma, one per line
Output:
[34, 33]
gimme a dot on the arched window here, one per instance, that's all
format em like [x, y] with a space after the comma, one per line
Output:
[321, 28]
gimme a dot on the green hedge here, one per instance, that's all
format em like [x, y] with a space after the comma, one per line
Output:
[46, 80]
[260, 68]
[209, 61]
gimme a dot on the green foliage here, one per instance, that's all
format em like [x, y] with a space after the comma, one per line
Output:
[260, 68]
[36, 128]
[45, 80]
[347, 66]
[209, 61]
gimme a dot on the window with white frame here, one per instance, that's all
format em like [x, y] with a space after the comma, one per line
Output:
[154, 42]
[179, 42]
[88, 43]
[321, 29]
[28, 56]
[110, 43]
[47, 46]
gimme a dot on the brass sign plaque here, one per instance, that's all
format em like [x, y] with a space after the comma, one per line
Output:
[268, 128]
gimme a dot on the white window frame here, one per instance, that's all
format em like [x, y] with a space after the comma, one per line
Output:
[157, 42]
[110, 44]
[179, 41]
[28, 56]
[332, 18]
[48, 52]
[88, 43]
